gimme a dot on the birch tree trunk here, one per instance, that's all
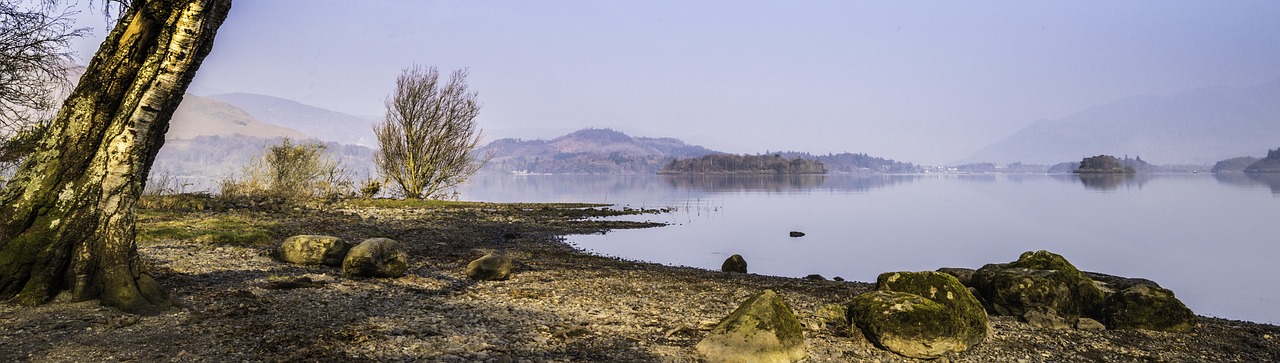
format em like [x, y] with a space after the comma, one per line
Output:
[67, 218]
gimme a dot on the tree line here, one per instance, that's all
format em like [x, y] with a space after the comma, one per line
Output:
[744, 164]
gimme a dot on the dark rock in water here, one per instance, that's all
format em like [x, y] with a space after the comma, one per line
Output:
[920, 314]
[837, 278]
[815, 277]
[734, 263]
[313, 250]
[762, 329]
[965, 275]
[796, 234]
[490, 267]
[1147, 307]
[1041, 288]
[376, 257]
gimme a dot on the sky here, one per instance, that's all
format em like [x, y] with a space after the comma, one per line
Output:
[928, 82]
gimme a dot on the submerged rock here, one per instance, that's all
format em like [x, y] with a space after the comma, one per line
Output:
[1147, 307]
[762, 329]
[1041, 288]
[313, 250]
[489, 267]
[376, 257]
[734, 263]
[919, 314]
[795, 234]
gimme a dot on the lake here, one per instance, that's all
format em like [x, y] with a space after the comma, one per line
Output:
[1212, 239]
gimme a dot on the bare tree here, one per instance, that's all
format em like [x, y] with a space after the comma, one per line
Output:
[34, 58]
[67, 219]
[429, 136]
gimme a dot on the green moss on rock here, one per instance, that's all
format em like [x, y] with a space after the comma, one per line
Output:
[1041, 288]
[313, 250]
[734, 263]
[490, 267]
[1147, 307]
[909, 324]
[762, 329]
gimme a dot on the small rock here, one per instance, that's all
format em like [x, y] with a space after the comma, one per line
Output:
[490, 267]
[815, 277]
[313, 250]
[734, 263]
[376, 257]
[795, 234]
[1089, 324]
[837, 278]
[762, 329]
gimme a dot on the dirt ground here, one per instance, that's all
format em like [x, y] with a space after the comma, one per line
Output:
[239, 304]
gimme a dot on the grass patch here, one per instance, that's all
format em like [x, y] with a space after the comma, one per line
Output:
[231, 229]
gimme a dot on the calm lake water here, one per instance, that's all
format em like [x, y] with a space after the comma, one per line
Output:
[1213, 240]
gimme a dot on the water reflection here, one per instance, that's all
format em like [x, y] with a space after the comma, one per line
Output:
[1250, 180]
[782, 183]
[1108, 182]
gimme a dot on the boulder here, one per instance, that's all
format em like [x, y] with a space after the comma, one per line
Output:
[490, 267]
[920, 314]
[1147, 307]
[762, 329]
[313, 250]
[734, 263]
[376, 257]
[1040, 288]
[965, 275]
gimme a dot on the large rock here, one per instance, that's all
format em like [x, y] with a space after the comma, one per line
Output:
[1147, 307]
[920, 314]
[734, 263]
[762, 329]
[313, 250]
[1041, 288]
[376, 257]
[490, 267]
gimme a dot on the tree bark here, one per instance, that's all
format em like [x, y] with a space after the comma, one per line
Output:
[67, 218]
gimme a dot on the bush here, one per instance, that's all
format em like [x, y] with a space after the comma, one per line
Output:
[291, 172]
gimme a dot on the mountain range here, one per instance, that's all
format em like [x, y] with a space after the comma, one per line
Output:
[1198, 127]
[314, 121]
[587, 151]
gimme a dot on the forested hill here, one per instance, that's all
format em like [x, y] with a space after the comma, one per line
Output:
[743, 164]
[587, 151]
[846, 163]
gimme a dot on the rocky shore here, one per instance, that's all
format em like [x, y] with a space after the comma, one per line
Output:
[239, 303]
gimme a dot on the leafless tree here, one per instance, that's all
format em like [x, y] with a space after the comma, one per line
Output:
[429, 136]
[34, 59]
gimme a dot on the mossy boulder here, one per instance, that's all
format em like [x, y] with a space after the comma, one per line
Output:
[762, 329]
[920, 314]
[1147, 307]
[965, 275]
[734, 263]
[490, 267]
[1040, 288]
[376, 257]
[313, 250]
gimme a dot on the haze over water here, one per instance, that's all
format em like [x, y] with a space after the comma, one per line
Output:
[1207, 238]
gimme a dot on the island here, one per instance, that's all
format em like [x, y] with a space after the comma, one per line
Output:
[1269, 164]
[1103, 164]
[743, 164]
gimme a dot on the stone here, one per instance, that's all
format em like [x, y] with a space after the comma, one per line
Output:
[965, 275]
[1089, 324]
[795, 234]
[815, 277]
[734, 263]
[376, 257]
[489, 267]
[1040, 288]
[1147, 307]
[920, 314]
[313, 250]
[762, 329]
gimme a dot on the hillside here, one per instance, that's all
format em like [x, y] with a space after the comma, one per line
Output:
[1200, 127]
[587, 151]
[320, 123]
[201, 116]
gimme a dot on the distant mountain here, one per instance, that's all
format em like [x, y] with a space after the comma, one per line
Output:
[200, 116]
[1200, 127]
[588, 151]
[323, 124]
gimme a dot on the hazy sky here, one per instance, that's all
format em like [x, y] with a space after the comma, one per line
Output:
[921, 81]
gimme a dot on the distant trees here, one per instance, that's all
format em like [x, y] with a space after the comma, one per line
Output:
[292, 171]
[429, 136]
[743, 164]
[1103, 164]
